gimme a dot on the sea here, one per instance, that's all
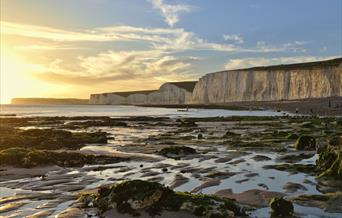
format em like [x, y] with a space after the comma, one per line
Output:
[123, 111]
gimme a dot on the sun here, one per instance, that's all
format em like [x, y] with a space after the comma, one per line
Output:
[16, 78]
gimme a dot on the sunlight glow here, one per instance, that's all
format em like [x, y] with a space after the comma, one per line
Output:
[16, 79]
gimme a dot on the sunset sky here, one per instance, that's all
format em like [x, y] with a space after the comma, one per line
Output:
[71, 48]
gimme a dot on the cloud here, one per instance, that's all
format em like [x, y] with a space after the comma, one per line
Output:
[168, 39]
[45, 47]
[170, 12]
[108, 67]
[233, 64]
[235, 37]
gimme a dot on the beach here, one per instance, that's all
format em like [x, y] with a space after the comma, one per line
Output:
[251, 159]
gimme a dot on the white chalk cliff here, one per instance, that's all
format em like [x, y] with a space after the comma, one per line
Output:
[269, 84]
[282, 82]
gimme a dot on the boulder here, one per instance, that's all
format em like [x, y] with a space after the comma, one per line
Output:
[281, 207]
[306, 143]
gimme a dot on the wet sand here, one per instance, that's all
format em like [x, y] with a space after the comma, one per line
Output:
[230, 161]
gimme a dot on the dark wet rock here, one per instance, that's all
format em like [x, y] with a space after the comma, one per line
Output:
[294, 168]
[250, 175]
[329, 185]
[261, 158]
[206, 184]
[177, 151]
[242, 181]
[95, 123]
[253, 197]
[200, 136]
[306, 143]
[164, 170]
[220, 175]
[237, 161]
[50, 139]
[293, 187]
[186, 123]
[281, 208]
[134, 197]
[330, 202]
[263, 186]
[336, 141]
[230, 134]
[293, 158]
[292, 136]
[307, 181]
[28, 158]
[179, 180]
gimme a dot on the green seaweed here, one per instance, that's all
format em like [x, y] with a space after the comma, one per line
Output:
[135, 196]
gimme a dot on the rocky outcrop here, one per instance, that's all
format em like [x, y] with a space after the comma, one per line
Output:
[283, 82]
[168, 93]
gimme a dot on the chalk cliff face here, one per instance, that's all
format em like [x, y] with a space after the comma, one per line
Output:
[272, 83]
[269, 83]
[168, 93]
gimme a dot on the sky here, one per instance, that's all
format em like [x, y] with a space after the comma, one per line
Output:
[72, 48]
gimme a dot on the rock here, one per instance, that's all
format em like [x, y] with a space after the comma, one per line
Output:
[200, 136]
[306, 143]
[261, 158]
[336, 141]
[253, 197]
[206, 184]
[330, 202]
[281, 207]
[179, 180]
[263, 186]
[137, 196]
[250, 175]
[177, 151]
[329, 162]
[292, 136]
[230, 134]
[293, 187]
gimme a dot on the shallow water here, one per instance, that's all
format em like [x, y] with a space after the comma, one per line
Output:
[121, 111]
[134, 142]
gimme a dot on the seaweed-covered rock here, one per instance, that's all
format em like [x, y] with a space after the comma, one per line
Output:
[281, 207]
[49, 139]
[135, 196]
[329, 162]
[186, 123]
[28, 158]
[305, 143]
[177, 151]
[292, 136]
[230, 134]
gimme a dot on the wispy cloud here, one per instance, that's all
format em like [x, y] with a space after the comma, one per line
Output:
[241, 63]
[121, 66]
[169, 39]
[234, 37]
[170, 12]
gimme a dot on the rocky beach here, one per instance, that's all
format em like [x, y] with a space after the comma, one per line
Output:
[236, 166]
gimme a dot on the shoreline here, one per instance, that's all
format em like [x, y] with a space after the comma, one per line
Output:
[329, 106]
